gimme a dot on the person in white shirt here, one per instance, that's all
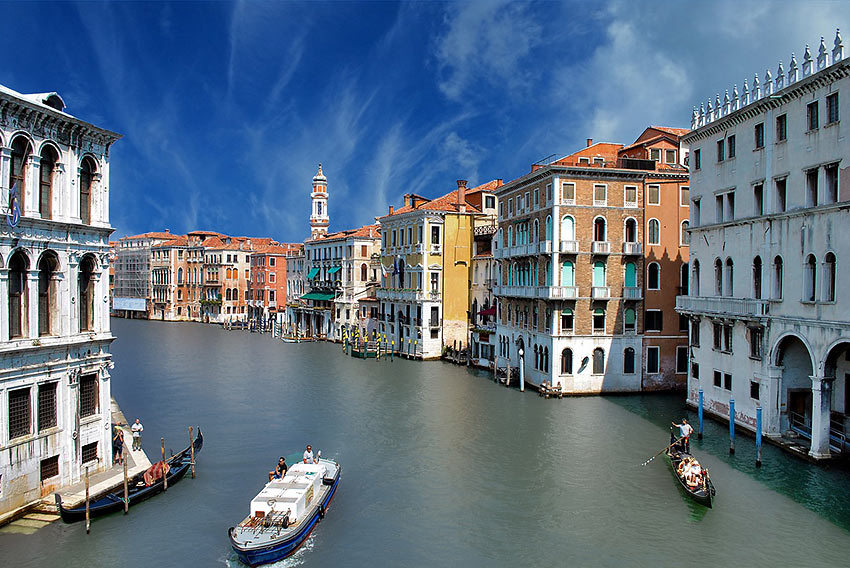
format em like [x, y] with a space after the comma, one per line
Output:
[308, 455]
[685, 431]
[137, 434]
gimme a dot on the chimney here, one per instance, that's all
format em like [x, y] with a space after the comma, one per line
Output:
[166, 230]
[391, 210]
[407, 200]
[461, 195]
[589, 142]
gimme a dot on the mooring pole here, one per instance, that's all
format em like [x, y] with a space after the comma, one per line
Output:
[699, 411]
[164, 476]
[126, 489]
[88, 519]
[192, 451]
[758, 436]
[731, 425]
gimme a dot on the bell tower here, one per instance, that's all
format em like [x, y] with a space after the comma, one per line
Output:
[319, 217]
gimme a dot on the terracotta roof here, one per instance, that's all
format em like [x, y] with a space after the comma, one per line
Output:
[178, 241]
[151, 235]
[489, 186]
[675, 131]
[447, 202]
[367, 231]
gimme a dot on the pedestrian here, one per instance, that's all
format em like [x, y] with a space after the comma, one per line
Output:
[137, 429]
[685, 431]
[118, 446]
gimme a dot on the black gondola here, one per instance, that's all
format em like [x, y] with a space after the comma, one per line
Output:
[137, 491]
[701, 493]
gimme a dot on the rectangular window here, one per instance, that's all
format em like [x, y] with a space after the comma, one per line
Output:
[46, 406]
[510, 207]
[812, 121]
[697, 159]
[727, 381]
[435, 235]
[600, 194]
[720, 150]
[730, 147]
[685, 196]
[49, 468]
[584, 160]
[695, 212]
[88, 395]
[781, 128]
[695, 333]
[717, 334]
[652, 359]
[655, 154]
[695, 370]
[20, 413]
[568, 193]
[683, 320]
[730, 205]
[718, 379]
[780, 194]
[654, 320]
[435, 282]
[758, 134]
[630, 198]
[537, 197]
[831, 180]
[271, 295]
[754, 390]
[670, 156]
[599, 161]
[599, 321]
[832, 108]
[682, 359]
[727, 338]
[718, 209]
[653, 194]
[489, 203]
[812, 188]
[756, 334]
[758, 199]
[89, 452]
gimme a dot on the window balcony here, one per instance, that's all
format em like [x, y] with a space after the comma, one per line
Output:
[632, 293]
[500, 253]
[600, 247]
[569, 247]
[600, 292]
[723, 307]
[631, 248]
[544, 247]
[557, 292]
[435, 323]
[515, 291]
[436, 249]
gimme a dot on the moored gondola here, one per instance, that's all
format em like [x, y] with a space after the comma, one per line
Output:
[138, 490]
[697, 484]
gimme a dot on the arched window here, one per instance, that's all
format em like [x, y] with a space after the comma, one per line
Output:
[548, 273]
[227, 294]
[757, 278]
[718, 277]
[568, 228]
[629, 361]
[653, 232]
[778, 275]
[535, 233]
[629, 319]
[45, 194]
[653, 276]
[683, 279]
[549, 228]
[510, 235]
[87, 171]
[695, 277]
[18, 295]
[546, 359]
[730, 268]
[600, 231]
[180, 275]
[21, 151]
[630, 280]
[599, 273]
[536, 357]
[829, 278]
[47, 309]
[567, 320]
[567, 362]
[567, 273]
[686, 236]
[631, 231]
[810, 279]
[86, 293]
[364, 272]
[598, 361]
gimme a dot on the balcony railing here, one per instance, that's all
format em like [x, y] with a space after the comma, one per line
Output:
[632, 293]
[631, 248]
[600, 292]
[569, 247]
[741, 307]
[557, 292]
[515, 291]
[600, 247]
[500, 252]
[544, 247]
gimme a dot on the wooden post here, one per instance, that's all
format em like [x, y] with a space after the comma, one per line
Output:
[126, 499]
[732, 426]
[88, 519]
[192, 451]
[699, 435]
[758, 436]
[164, 476]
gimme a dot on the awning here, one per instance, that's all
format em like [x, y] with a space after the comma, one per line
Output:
[313, 272]
[318, 295]
[491, 311]
[334, 269]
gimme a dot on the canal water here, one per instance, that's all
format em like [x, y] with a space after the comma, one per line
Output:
[441, 467]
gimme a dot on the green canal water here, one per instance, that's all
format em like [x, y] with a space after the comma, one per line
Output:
[441, 467]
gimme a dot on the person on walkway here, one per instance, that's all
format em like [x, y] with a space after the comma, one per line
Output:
[308, 455]
[279, 470]
[118, 446]
[137, 429]
[685, 431]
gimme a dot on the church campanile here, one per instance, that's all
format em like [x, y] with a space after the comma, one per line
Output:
[319, 217]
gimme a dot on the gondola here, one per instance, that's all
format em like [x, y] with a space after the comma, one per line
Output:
[137, 490]
[702, 493]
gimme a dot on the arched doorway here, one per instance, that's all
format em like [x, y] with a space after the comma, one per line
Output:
[836, 373]
[795, 361]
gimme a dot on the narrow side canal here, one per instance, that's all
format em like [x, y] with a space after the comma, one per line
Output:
[441, 467]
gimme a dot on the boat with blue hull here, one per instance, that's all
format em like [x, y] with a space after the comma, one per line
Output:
[285, 512]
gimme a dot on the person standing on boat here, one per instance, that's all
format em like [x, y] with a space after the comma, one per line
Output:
[279, 470]
[137, 429]
[685, 431]
[308, 455]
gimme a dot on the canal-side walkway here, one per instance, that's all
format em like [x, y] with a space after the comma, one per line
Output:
[33, 516]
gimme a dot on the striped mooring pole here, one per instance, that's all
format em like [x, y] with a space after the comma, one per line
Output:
[699, 412]
[758, 436]
[731, 425]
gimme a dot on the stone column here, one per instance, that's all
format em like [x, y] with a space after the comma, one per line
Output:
[5, 161]
[59, 207]
[820, 417]
[73, 319]
[33, 198]
[59, 301]
[32, 304]
[771, 401]
[4, 299]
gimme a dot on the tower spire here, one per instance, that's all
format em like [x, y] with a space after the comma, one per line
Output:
[319, 219]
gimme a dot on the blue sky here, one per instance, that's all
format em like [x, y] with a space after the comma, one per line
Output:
[227, 108]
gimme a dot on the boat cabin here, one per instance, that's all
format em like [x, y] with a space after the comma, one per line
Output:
[294, 493]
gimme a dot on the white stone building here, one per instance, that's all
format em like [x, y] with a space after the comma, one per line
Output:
[770, 196]
[54, 317]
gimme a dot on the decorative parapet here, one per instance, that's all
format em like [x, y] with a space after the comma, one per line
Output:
[709, 112]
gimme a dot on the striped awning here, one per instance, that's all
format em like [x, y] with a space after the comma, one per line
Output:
[313, 272]
[334, 269]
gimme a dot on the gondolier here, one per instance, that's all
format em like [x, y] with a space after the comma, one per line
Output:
[685, 431]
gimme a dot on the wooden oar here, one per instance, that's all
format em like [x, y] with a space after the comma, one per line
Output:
[662, 450]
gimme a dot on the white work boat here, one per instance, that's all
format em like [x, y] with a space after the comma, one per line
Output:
[284, 513]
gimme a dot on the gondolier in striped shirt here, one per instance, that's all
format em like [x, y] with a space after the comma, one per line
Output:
[685, 431]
